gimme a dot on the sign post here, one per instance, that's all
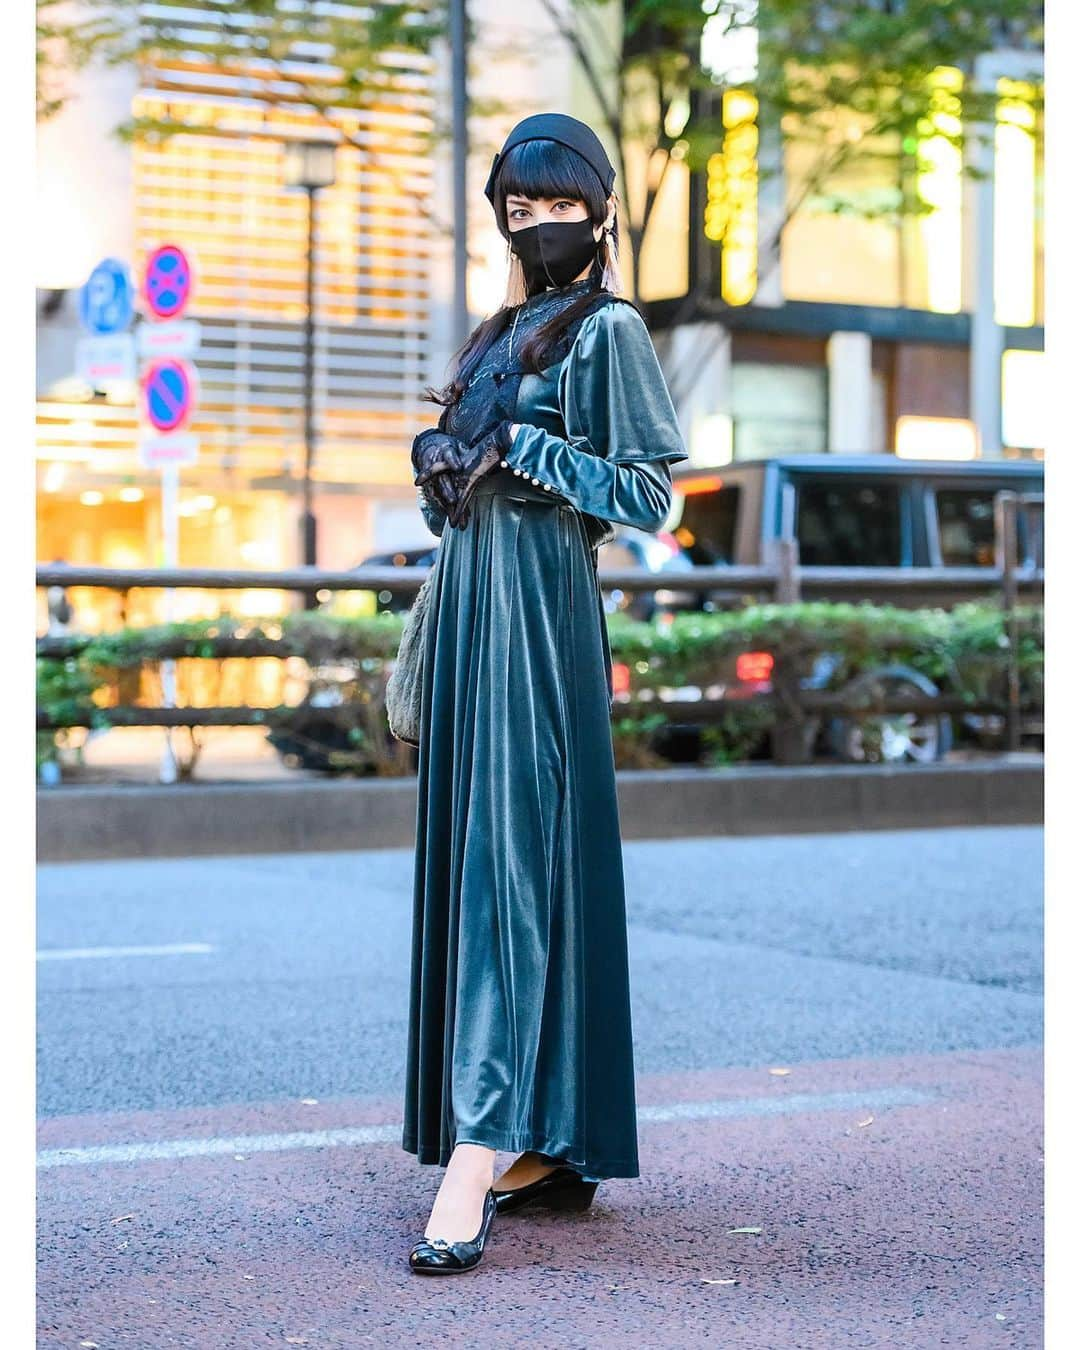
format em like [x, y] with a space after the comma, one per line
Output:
[169, 396]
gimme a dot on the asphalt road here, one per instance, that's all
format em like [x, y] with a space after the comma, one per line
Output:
[894, 1169]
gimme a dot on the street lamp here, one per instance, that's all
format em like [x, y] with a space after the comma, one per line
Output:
[309, 166]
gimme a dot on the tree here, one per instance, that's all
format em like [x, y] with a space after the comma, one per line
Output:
[847, 81]
[66, 40]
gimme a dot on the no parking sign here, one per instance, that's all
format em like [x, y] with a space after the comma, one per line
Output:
[169, 394]
[170, 390]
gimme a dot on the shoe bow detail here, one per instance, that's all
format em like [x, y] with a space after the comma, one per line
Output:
[437, 1256]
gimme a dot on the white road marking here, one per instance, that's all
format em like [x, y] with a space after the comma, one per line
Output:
[731, 1108]
[92, 953]
[789, 1105]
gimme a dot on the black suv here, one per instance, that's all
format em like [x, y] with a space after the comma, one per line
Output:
[850, 510]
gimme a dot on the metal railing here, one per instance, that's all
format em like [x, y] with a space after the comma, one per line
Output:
[781, 580]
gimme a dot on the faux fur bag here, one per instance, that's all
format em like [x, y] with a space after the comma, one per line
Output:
[404, 687]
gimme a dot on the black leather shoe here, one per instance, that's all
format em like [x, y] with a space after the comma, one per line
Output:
[436, 1256]
[563, 1189]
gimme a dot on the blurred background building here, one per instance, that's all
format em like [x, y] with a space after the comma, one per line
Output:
[823, 332]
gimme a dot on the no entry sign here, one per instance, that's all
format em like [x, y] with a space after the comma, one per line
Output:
[167, 285]
[169, 391]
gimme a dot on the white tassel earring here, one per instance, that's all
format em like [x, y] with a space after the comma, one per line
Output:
[610, 280]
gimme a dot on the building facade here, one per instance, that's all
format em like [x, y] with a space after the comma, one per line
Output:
[382, 281]
[824, 331]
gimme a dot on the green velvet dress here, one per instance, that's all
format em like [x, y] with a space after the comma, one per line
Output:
[519, 1023]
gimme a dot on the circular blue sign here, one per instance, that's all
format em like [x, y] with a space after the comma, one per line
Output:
[107, 301]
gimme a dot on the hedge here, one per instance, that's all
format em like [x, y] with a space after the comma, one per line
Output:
[963, 650]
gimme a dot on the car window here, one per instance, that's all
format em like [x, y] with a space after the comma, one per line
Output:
[966, 527]
[848, 524]
[707, 527]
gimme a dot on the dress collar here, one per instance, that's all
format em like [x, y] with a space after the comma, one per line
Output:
[574, 289]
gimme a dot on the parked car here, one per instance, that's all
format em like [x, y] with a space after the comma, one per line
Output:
[659, 553]
[866, 512]
[850, 510]
[399, 602]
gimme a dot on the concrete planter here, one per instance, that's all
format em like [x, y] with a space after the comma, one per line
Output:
[76, 823]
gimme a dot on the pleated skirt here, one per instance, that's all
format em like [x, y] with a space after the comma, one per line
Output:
[519, 1033]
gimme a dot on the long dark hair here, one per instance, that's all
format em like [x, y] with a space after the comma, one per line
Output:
[534, 169]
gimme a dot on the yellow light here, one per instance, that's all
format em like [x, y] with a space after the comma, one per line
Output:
[1024, 400]
[92, 497]
[941, 186]
[120, 553]
[487, 278]
[731, 215]
[131, 494]
[55, 476]
[936, 438]
[258, 553]
[712, 440]
[1014, 205]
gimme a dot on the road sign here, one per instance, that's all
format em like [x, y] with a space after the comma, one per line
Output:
[175, 337]
[167, 285]
[104, 360]
[169, 392]
[107, 301]
[170, 451]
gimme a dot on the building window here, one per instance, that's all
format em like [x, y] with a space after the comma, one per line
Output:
[664, 271]
[778, 409]
[831, 250]
[1017, 240]
[1024, 400]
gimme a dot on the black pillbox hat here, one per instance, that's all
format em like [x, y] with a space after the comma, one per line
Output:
[566, 131]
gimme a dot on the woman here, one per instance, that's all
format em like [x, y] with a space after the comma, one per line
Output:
[556, 424]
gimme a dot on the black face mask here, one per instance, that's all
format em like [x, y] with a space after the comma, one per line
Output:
[554, 252]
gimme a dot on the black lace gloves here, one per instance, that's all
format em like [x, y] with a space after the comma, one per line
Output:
[448, 468]
[430, 459]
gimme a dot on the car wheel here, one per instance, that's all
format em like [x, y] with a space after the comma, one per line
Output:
[892, 738]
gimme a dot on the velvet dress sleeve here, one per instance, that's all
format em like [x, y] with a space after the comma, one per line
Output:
[621, 430]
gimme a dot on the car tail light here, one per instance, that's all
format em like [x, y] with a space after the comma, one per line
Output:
[754, 667]
[620, 677]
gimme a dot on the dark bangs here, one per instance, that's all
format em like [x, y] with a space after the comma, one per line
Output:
[547, 169]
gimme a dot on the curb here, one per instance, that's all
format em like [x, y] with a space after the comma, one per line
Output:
[83, 823]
